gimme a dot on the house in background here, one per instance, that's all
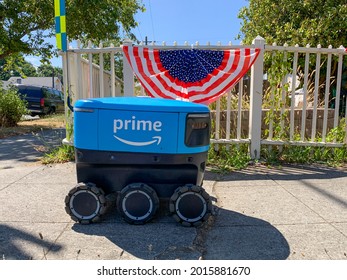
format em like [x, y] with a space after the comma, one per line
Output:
[53, 82]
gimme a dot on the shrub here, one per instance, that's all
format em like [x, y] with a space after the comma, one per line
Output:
[12, 108]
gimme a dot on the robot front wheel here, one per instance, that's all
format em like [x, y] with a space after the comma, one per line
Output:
[190, 205]
[85, 203]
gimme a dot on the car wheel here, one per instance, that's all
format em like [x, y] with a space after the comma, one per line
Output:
[51, 111]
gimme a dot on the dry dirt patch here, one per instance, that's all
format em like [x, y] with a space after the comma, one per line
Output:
[33, 125]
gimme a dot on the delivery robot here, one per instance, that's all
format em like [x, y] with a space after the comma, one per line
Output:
[141, 150]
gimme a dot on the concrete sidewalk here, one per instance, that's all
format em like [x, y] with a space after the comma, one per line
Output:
[292, 212]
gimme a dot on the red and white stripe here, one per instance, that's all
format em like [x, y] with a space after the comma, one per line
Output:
[159, 83]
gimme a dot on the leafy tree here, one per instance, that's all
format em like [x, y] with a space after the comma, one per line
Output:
[28, 69]
[47, 70]
[16, 65]
[298, 22]
[25, 24]
[295, 22]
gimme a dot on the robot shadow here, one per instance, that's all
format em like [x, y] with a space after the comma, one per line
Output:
[227, 235]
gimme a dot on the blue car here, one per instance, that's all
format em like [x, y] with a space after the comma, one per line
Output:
[41, 100]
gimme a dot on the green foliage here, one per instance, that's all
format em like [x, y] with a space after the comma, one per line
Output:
[54, 151]
[25, 24]
[61, 154]
[230, 157]
[47, 70]
[332, 156]
[295, 22]
[305, 155]
[101, 20]
[12, 108]
[16, 65]
[275, 97]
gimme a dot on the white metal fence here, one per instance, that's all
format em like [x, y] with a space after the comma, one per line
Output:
[302, 101]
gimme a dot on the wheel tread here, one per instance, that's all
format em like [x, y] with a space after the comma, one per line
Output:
[194, 189]
[98, 192]
[133, 187]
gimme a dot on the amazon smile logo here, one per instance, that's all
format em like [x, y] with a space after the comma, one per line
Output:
[134, 124]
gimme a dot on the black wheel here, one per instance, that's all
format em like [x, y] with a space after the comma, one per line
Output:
[85, 203]
[51, 110]
[137, 203]
[190, 205]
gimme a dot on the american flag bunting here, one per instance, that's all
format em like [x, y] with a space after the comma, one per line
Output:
[195, 75]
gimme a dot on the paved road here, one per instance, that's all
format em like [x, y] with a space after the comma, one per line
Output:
[291, 212]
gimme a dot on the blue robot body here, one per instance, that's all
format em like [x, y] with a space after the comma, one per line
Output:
[152, 145]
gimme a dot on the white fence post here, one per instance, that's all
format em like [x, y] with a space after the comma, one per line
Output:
[256, 92]
[128, 75]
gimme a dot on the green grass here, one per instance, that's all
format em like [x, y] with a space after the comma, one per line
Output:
[61, 154]
[224, 158]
